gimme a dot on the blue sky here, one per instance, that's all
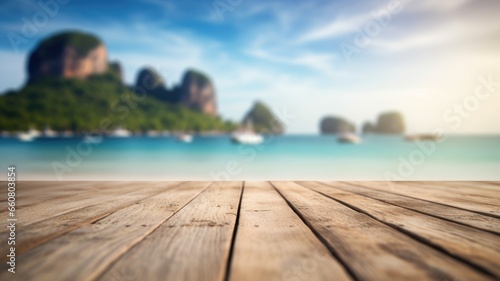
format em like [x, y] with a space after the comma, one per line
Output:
[419, 57]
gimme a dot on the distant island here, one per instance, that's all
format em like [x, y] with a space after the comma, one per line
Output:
[387, 123]
[72, 86]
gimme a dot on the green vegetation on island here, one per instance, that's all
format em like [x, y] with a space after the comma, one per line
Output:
[76, 105]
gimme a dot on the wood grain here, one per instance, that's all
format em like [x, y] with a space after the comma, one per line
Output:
[113, 235]
[27, 196]
[476, 247]
[461, 216]
[57, 206]
[443, 196]
[194, 244]
[372, 250]
[287, 231]
[478, 193]
[272, 242]
[45, 229]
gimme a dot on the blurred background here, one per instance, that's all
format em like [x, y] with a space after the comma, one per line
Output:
[238, 89]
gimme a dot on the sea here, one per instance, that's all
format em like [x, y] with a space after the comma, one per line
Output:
[288, 157]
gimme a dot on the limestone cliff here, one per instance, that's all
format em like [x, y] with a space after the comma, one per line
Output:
[69, 55]
[198, 93]
[263, 120]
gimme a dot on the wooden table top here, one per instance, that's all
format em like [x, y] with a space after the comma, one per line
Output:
[254, 231]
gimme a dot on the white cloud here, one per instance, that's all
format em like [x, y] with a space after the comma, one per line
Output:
[335, 28]
[321, 62]
[448, 33]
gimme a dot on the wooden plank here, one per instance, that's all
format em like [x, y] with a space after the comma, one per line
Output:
[32, 235]
[194, 244]
[272, 242]
[476, 247]
[28, 189]
[372, 250]
[59, 206]
[446, 197]
[73, 256]
[475, 193]
[465, 217]
[478, 185]
[26, 198]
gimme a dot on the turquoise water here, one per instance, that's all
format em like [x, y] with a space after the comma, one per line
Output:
[297, 157]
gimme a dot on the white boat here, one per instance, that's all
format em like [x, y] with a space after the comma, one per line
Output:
[187, 138]
[26, 137]
[247, 136]
[121, 133]
[349, 138]
[30, 135]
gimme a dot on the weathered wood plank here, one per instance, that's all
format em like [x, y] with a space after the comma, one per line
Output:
[475, 193]
[272, 242]
[73, 256]
[30, 197]
[32, 235]
[372, 250]
[57, 206]
[476, 247]
[439, 196]
[477, 185]
[194, 244]
[465, 217]
[30, 189]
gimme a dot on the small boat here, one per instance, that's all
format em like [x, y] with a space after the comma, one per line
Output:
[247, 138]
[349, 138]
[120, 133]
[187, 138]
[422, 137]
[247, 135]
[28, 136]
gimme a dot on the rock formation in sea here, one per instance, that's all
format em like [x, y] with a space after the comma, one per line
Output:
[390, 123]
[70, 55]
[336, 125]
[263, 120]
